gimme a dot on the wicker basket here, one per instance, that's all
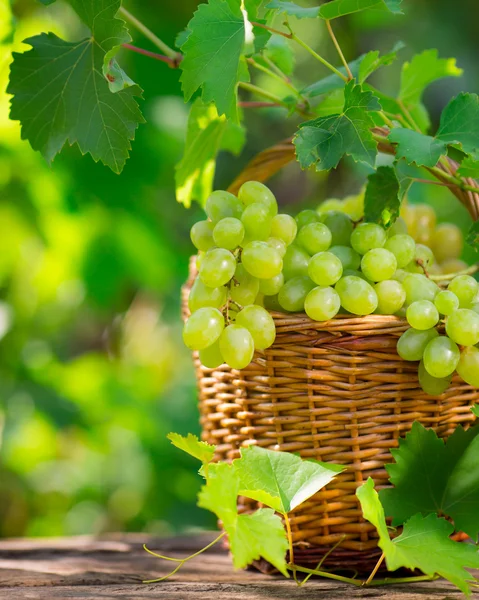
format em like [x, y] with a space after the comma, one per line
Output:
[334, 391]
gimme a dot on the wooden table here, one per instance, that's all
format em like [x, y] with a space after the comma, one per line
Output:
[85, 568]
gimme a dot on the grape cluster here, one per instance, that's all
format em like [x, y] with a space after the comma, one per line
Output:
[252, 260]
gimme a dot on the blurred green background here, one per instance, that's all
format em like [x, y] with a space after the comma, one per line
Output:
[93, 373]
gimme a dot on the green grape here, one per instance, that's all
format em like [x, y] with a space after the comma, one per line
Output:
[254, 192]
[271, 287]
[199, 260]
[465, 287]
[446, 302]
[419, 287]
[237, 346]
[425, 223]
[391, 297]
[295, 262]
[422, 261]
[221, 204]
[257, 222]
[468, 366]
[399, 227]
[284, 227]
[278, 244]
[463, 327]
[329, 205]
[441, 357]
[272, 303]
[305, 217]
[412, 343]
[260, 324]
[203, 328]
[475, 307]
[322, 303]
[202, 235]
[340, 226]
[293, 293]
[357, 296]
[447, 242]
[452, 266]
[314, 238]
[400, 275]
[228, 233]
[217, 267]
[349, 257]
[202, 295]
[211, 357]
[353, 206]
[403, 247]
[245, 288]
[378, 264]
[261, 261]
[432, 385]
[368, 236]
[325, 269]
[422, 315]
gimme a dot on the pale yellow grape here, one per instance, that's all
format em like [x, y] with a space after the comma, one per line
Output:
[441, 357]
[432, 385]
[368, 236]
[217, 267]
[357, 296]
[202, 235]
[203, 328]
[292, 295]
[330, 204]
[468, 366]
[314, 238]
[378, 264]
[412, 343]
[257, 222]
[284, 227]
[201, 296]
[252, 192]
[391, 296]
[425, 223]
[419, 287]
[278, 244]
[261, 261]
[422, 315]
[221, 204]
[322, 303]
[245, 287]
[236, 346]
[211, 357]
[259, 323]
[403, 247]
[453, 265]
[325, 268]
[446, 302]
[447, 242]
[465, 287]
[462, 326]
[228, 233]
[399, 227]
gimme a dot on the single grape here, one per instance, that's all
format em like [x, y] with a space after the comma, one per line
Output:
[441, 357]
[353, 206]
[463, 327]
[261, 261]
[412, 344]
[465, 287]
[203, 328]
[293, 293]
[272, 303]
[368, 236]
[228, 233]
[432, 385]
[447, 242]
[271, 287]
[245, 288]
[199, 260]
[340, 226]
[237, 346]
[257, 222]
[419, 287]
[217, 267]
[202, 235]
[305, 217]
[329, 205]
[403, 247]
[378, 264]
[284, 227]
[446, 302]
[221, 204]
[468, 367]
[314, 238]
[349, 257]
[425, 217]
[408, 214]
[211, 357]
[278, 244]
[259, 323]
[422, 261]
[422, 315]
[399, 227]
[391, 297]
[453, 265]
[325, 269]
[253, 192]
[322, 303]
[357, 296]
[201, 296]
[295, 262]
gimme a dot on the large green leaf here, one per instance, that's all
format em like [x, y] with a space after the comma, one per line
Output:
[333, 82]
[206, 134]
[451, 471]
[373, 61]
[469, 167]
[324, 141]
[424, 543]
[416, 147]
[63, 92]
[382, 200]
[339, 8]
[281, 480]
[191, 444]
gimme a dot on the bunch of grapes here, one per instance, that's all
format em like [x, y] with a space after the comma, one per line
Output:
[253, 260]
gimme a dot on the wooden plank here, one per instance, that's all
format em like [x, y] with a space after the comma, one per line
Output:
[111, 568]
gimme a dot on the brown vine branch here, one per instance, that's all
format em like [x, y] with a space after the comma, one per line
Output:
[262, 26]
[171, 62]
[247, 104]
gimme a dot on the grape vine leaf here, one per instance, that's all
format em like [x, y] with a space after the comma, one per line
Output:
[451, 470]
[325, 140]
[207, 133]
[280, 53]
[212, 54]
[382, 200]
[340, 8]
[424, 543]
[293, 10]
[281, 480]
[473, 238]
[373, 61]
[416, 147]
[250, 536]
[63, 91]
[469, 167]
[191, 445]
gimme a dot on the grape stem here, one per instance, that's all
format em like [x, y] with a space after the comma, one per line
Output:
[149, 34]
[262, 26]
[274, 75]
[161, 57]
[338, 48]
[449, 276]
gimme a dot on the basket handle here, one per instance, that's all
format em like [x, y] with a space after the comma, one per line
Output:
[268, 162]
